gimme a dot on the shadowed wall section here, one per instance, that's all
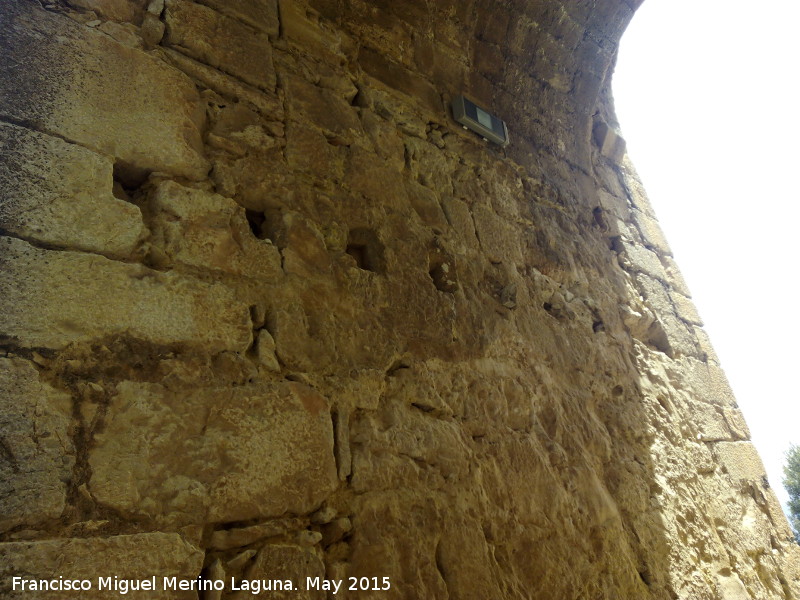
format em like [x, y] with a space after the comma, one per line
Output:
[268, 312]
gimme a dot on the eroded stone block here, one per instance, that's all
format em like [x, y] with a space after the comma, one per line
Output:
[651, 233]
[209, 231]
[308, 150]
[496, 236]
[709, 382]
[426, 205]
[399, 78]
[36, 451]
[219, 454]
[53, 298]
[219, 41]
[614, 204]
[710, 423]
[303, 246]
[295, 345]
[261, 14]
[741, 460]
[117, 10]
[675, 277]
[323, 107]
[292, 563]
[304, 29]
[639, 259]
[610, 142]
[61, 194]
[633, 185]
[91, 90]
[658, 300]
[232, 88]
[139, 556]
[685, 308]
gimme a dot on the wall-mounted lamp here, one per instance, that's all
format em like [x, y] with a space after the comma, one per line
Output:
[471, 116]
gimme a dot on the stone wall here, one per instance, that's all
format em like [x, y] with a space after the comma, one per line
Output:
[269, 312]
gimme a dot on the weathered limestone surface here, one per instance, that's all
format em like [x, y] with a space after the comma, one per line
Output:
[245, 453]
[221, 42]
[61, 195]
[36, 452]
[54, 298]
[128, 556]
[266, 311]
[207, 231]
[96, 92]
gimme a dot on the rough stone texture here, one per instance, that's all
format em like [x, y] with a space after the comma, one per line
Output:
[207, 231]
[128, 556]
[220, 41]
[61, 195]
[336, 333]
[287, 562]
[252, 452]
[54, 298]
[91, 90]
[36, 452]
[261, 14]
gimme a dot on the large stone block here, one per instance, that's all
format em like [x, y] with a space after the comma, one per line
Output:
[206, 230]
[614, 204]
[426, 205]
[741, 460]
[498, 239]
[36, 452]
[652, 234]
[709, 422]
[60, 194]
[633, 185]
[635, 257]
[709, 383]
[230, 87]
[261, 14]
[610, 142]
[675, 277]
[219, 454]
[53, 298]
[397, 77]
[656, 297]
[289, 562]
[322, 107]
[685, 308]
[88, 89]
[308, 150]
[303, 246]
[117, 10]
[137, 557]
[220, 41]
[304, 29]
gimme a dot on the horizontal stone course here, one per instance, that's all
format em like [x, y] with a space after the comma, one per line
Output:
[220, 41]
[261, 14]
[60, 194]
[139, 556]
[215, 454]
[91, 90]
[54, 298]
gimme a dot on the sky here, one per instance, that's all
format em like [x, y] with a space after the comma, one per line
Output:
[707, 93]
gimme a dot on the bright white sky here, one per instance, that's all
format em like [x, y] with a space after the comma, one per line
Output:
[708, 94]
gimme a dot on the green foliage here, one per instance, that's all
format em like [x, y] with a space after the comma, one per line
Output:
[791, 481]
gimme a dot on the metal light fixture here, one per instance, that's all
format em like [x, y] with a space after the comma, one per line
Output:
[471, 116]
